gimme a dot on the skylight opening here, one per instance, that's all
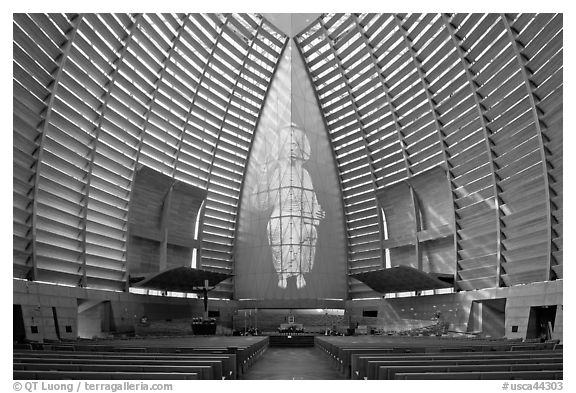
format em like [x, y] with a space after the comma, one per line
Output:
[239, 153]
[196, 43]
[440, 46]
[386, 141]
[362, 235]
[327, 89]
[167, 25]
[375, 110]
[46, 34]
[153, 65]
[180, 78]
[453, 89]
[113, 115]
[473, 28]
[216, 192]
[372, 35]
[175, 100]
[498, 59]
[413, 104]
[365, 96]
[336, 24]
[369, 75]
[164, 47]
[349, 152]
[389, 53]
[393, 31]
[242, 148]
[365, 21]
[364, 178]
[155, 163]
[370, 217]
[229, 60]
[113, 199]
[88, 58]
[212, 104]
[170, 141]
[250, 30]
[242, 107]
[216, 85]
[398, 66]
[319, 54]
[109, 45]
[343, 121]
[256, 95]
[106, 133]
[208, 27]
[350, 205]
[222, 70]
[356, 140]
[36, 64]
[359, 47]
[135, 69]
[344, 107]
[167, 107]
[121, 94]
[427, 35]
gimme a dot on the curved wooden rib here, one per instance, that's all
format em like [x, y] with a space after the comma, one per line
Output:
[522, 63]
[104, 106]
[65, 53]
[227, 108]
[491, 154]
[193, 99]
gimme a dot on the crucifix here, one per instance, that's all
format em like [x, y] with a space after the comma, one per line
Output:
[204, 289]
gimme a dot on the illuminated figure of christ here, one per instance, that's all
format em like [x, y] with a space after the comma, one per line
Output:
[287, 189]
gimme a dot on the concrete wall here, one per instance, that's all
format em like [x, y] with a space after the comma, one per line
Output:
[37, 300]
[455, 308]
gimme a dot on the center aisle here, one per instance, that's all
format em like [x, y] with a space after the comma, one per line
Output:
[292, 363]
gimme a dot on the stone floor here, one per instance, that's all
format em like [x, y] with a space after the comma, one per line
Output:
[292, 363]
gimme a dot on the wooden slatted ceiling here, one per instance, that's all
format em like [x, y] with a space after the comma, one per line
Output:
[527, 43]
[122, 96]
[34, 73]
[467, 87]
[482, 201]
[495, 83]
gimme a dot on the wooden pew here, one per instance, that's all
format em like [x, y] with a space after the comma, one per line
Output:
[364, 366]
[228, 360]
[374, 367]
[522, 375]
[244, 352]
[87, 375]
[340, 350]
[203, 371]
[385, 372]
[213, 368]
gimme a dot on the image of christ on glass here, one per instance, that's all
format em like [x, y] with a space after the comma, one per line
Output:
[285, 188]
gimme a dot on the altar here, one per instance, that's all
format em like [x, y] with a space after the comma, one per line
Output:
[293, 326]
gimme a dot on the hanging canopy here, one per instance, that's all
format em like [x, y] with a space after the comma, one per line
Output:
[179, 279]
[403, 279]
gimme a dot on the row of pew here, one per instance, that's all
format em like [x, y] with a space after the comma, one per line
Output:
[148, 361]
[427, 358]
